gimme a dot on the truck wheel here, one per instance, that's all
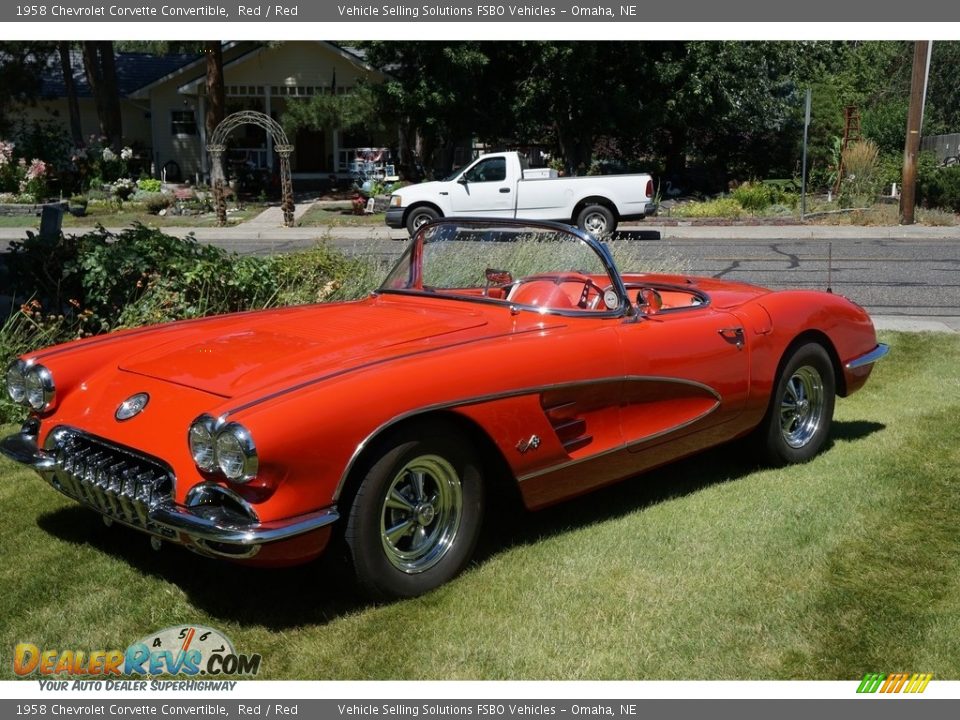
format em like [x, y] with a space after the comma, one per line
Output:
[596, 220]
[418, 217]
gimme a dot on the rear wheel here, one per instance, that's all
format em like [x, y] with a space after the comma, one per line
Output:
[419, 217]
[597, 220]
[798, 420]
[416, 516]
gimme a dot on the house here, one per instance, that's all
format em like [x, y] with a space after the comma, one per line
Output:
[163, 103]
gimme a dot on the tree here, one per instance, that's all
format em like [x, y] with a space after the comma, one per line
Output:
[21, 70]
[73, 106]
[431, 96]
[101, 70]
[216, 102]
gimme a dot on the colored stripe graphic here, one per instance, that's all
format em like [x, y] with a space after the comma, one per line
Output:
[870, 683]
[894, 682]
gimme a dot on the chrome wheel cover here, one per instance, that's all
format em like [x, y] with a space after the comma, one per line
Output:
[421, 514]
[801, 407]
[595, 223]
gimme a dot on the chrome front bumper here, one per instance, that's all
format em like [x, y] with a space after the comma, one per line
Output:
[206, 527]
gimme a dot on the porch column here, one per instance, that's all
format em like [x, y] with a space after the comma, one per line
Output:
[202, 123]
[266, 110]
[335, 143]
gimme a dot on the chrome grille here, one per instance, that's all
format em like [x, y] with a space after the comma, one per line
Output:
[114, 480]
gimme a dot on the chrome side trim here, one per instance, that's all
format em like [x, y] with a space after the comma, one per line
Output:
[879, 352]
[537, 389]
[619, 448]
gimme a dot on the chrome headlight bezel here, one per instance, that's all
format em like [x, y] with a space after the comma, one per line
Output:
[236, 453]
[16, 380]
[31, 385]
[41, 391]
[202, 441]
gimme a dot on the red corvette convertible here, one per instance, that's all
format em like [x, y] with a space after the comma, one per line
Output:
[493, 349]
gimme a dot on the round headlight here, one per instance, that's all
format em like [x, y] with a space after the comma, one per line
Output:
[16, 382]
[202, 443]
[236, 455]
[39, 388]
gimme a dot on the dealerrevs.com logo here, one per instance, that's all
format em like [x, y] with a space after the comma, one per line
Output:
[910, 683]
[180, 650]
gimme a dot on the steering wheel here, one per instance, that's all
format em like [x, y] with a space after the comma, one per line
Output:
[588, 283]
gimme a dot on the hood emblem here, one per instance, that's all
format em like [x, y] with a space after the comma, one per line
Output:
[132, 406]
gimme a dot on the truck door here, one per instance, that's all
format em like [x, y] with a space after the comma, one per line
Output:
[484, 190]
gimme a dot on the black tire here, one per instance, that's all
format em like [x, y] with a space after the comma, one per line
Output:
[420, 216]
[597, 220]
[798, 419]
[435, 527]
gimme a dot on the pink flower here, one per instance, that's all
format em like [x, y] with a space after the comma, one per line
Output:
[37, 169]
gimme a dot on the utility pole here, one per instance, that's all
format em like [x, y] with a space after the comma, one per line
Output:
[911, 146]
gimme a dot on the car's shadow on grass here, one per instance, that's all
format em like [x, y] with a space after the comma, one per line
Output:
[322, 591]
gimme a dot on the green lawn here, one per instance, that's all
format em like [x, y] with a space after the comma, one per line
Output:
[324, 217]
[709, 569]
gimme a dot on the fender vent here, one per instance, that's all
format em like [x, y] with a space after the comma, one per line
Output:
[571, 429]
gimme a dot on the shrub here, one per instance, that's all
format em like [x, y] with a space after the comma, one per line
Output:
[861, 169]
[941, 189]
[100, 281]
[722, 207]
[149, 185]
[757, 197]
[156, 201]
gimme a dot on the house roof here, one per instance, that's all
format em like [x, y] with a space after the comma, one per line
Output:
[134, 70]
[351, 54]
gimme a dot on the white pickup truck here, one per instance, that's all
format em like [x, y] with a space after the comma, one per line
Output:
[500, 185]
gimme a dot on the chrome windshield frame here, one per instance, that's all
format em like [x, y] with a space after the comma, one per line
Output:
[602, 251]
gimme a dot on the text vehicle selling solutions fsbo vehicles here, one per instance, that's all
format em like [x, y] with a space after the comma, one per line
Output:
[500, 185]
[494, 350]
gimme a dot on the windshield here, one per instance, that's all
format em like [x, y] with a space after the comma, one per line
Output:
[544, 268]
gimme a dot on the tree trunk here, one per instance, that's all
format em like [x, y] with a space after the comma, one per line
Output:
[102, 75]
[76, 130]
[676, 161]
[216, 103]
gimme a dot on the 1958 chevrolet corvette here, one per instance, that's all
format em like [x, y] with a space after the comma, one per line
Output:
[493, 348]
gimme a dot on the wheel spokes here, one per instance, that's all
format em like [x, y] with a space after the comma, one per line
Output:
[397, 501]
[396, 532]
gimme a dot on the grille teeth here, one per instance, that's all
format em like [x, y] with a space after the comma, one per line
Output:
[113, 480]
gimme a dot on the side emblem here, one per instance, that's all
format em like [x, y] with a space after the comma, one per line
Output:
[133, 405]
[532, 444]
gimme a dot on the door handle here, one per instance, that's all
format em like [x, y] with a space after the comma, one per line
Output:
[504, 190]
[444, 192]
[733, 335]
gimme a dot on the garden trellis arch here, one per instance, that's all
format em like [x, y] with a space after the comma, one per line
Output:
[218, 146]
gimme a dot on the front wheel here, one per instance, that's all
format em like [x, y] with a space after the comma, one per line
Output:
[416, 517]
[798, 420]
[596, 220]
[419, 217]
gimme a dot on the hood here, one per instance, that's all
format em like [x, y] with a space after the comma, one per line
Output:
[238, 354]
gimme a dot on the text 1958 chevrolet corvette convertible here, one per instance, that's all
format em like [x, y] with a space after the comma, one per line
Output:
[493, 348]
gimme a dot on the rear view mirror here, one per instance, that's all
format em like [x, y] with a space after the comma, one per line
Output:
[649, 301]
